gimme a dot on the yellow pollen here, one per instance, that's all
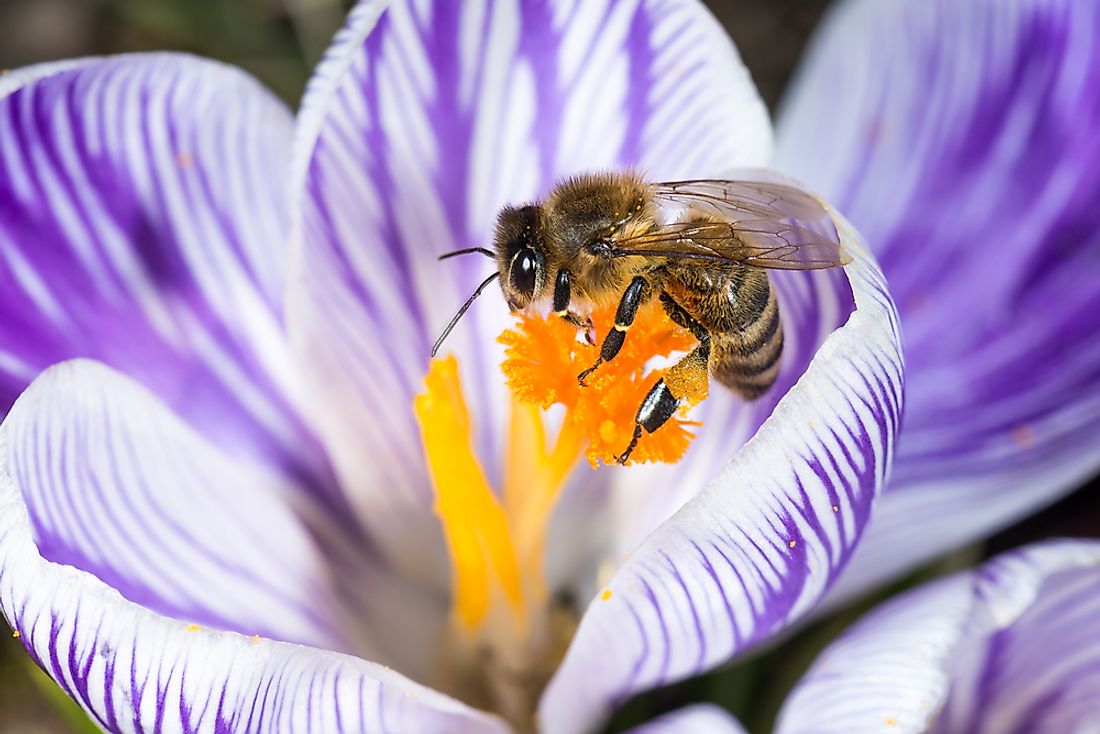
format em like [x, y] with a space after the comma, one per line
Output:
[16, 634]
[836, 508]
[255, 638]
[193, 628]
[793, 543]
[891, 721]
[605, 594]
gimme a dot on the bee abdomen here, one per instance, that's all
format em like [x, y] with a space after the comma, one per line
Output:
[746, 359]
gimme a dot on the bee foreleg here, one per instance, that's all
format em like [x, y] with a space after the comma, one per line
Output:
[685, 380]
[563, 295]
[633, 297]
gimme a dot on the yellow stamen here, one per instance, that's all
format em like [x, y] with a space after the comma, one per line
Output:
[474, 523]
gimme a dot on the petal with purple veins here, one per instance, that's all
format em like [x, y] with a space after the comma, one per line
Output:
[765, 539]
[116, 485]
[419, 124]
[964, 144]
[133, 670]
[1013, 646]
[143, 224]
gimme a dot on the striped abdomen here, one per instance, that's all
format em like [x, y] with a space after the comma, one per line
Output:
[738, 307]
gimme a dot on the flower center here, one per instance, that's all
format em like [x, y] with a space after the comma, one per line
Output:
[509, 633]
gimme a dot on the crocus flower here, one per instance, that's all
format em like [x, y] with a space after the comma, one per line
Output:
[1011, 647]
[173, 523]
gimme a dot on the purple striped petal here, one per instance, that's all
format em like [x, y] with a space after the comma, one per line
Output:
[413, 137]
[132, 670]
[764, 540]
[963, 140]
[698, 719]
[116, 485]
[1011, 647]
[143, 223]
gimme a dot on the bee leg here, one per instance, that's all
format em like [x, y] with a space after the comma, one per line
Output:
[682, 318]
[562, 296]
[633, 297]
[660, 404]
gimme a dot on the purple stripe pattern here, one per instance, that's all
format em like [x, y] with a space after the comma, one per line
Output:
[142, 224]
[764, 539]
[1012, 647]
[964, 144]
[158, 509]
[133, 670]
[410, 140]
[114, 484]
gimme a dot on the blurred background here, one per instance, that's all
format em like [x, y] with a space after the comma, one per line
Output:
[279, 41]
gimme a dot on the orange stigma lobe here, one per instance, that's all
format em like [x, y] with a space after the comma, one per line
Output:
[543, 356]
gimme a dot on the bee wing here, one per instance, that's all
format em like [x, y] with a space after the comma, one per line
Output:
[758, 223]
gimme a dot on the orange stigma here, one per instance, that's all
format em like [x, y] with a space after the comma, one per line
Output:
[543, 357]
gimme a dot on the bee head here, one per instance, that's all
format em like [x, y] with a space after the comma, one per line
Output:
[520, 255]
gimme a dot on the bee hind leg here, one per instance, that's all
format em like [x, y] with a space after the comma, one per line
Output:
[633, 297]
[687, 379]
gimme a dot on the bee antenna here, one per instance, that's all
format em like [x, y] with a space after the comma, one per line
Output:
[464, 309]
[467, 250]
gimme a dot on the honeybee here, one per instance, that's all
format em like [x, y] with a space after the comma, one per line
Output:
[701, 247]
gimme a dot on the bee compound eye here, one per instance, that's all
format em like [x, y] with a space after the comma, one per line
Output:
[523, 272]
